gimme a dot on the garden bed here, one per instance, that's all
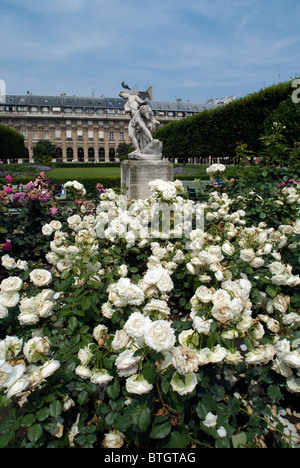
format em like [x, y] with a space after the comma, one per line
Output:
[120, 333]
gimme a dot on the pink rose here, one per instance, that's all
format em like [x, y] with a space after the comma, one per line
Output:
[7, 246]
[8, 190]
[53, 211]
[9, 179]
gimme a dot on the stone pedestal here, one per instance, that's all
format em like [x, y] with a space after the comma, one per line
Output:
[135, 176]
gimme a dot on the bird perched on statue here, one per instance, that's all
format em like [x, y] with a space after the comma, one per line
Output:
[125, 86]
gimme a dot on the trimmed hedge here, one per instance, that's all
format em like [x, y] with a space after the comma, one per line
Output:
[218, 132]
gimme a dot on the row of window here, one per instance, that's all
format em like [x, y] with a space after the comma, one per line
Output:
[58, 122]
[69, 135]
[66, 110]
[81, 110]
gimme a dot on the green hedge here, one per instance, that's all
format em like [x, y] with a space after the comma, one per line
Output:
[217, 132]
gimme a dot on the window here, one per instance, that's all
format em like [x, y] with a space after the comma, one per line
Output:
[79, 122]
[57, 134]
[46, 134]
[33, 109]
[111, 111]
[111, 135]
[91, 135]
[101, 135]
[79, 135]
[122, 136]
[45, 109]
[24, 133]
[56, 109]
[90, 122]
[35, 135]
[68, 110]
[69, 134]
[78, 110]
[68, 122]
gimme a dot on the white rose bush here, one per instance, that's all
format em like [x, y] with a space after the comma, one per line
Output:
[134, 335]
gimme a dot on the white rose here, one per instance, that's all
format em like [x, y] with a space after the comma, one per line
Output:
[202, 325]
[135, 325]
[18, 387]
[122, 271]
[56, 225]
[46, 309]
[159, 335]
[47, 230]
[8, 262]
[36, 346]
[292, 359]
[134, 295]
[85, 355]
[83, 372]
[22, 265]
[99, 331]
[228, 248]
[121, 340]
[184, 360]
[49, 368]
[217, 354]
[247, 255]
[29, 305]
[293, 384]
[203, 294]
[113, 440]
[126, 363]
[281, 303]
[257, 262]
[138, 385]
[183, 384]
[107, 310]
[11, 284]
[40, 277]
[157, 305]
[101, 377]
[210, 420]
[3, 312]
[9, 300]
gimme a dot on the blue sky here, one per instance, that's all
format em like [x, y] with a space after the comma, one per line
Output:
[188, 49]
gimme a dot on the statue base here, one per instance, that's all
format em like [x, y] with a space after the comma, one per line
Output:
[136, 175]
[152, 152]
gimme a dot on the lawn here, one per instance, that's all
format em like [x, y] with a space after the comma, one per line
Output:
[83, 173]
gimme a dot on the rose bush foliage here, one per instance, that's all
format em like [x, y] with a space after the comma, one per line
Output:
[128, 339]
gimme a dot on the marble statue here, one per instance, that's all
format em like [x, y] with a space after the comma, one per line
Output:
[141, 127]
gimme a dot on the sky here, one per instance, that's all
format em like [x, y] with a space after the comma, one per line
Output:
[193, 50]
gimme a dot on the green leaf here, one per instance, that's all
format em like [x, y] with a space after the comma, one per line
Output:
[274, 393]
[55, 409]
[149, 372]
[160, 431]
[141, 416]
[35, 433]
[271, 291]
[113, 390]
[42, 414]
[239, 440]
[178, 440]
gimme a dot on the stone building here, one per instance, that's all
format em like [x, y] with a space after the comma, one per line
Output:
[84, 129]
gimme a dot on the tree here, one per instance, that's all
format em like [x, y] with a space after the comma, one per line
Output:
[123, 149]
[44, 151]
[11, 144]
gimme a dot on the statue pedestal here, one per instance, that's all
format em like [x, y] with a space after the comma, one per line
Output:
[136, 175]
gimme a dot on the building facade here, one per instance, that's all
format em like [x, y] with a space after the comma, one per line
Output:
[83, 129]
